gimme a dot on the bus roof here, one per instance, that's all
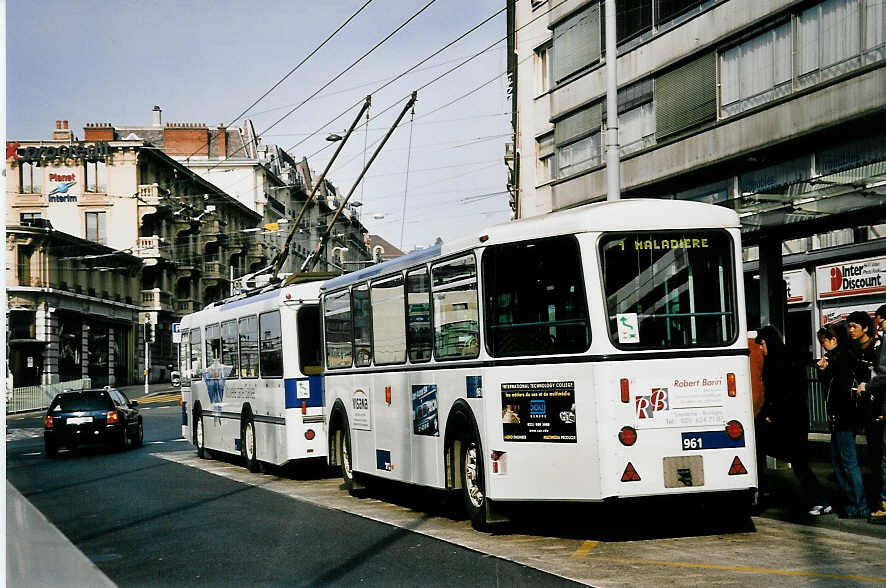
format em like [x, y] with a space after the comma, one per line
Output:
[307, 291]
[617, 215]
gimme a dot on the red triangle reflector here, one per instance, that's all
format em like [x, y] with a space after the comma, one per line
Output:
[737, 467]
[630, 474]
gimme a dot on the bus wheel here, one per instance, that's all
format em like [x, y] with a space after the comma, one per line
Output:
[199, 434]
[247, 444]
[474, 483]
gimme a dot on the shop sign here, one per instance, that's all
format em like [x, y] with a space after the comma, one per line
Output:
[797, 284]
[864, 276]
[835, 315]
[81, 150]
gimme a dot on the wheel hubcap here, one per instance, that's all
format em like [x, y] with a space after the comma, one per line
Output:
[250, 442]
[475, 494]
[345, 457]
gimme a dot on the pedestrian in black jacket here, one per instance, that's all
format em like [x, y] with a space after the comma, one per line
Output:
[839, 373]
[785, 415]
[876, 392]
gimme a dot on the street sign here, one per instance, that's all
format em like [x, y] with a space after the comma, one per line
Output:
[176, 333]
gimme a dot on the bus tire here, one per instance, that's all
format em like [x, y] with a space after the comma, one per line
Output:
[200, 433]
[247, 443]
[347, 465]
[474, 483]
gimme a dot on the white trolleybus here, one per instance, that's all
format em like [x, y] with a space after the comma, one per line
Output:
[252, 381]
[593, 354]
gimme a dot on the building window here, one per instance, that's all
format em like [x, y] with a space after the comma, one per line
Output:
[757, 71]
[29, 178]
[545, 148]
[666, 10]
[636, 116]
[686, 97]
[577, 141]
[27, 218]
[577, 41]
[97, 227]
[544, 68]
[632, 18]
[96, 176]
[24, 265]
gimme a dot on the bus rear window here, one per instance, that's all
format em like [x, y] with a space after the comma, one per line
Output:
[667, 289]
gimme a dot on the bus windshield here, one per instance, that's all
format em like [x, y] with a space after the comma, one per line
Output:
[667, 289]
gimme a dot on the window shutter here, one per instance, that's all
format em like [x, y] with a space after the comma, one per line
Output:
[686, 96]
[577, 41]
[575, 125]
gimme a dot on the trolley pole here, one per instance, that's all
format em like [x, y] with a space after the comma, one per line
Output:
[613, 162]
[147, 353]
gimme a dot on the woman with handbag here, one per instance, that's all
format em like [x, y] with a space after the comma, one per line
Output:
[838, 373]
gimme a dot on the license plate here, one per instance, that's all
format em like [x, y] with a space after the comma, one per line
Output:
[79, 420]
[709, 440]
[683, 471]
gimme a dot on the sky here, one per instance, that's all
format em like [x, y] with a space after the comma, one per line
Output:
[208, 60]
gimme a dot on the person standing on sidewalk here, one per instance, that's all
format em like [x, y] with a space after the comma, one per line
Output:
[785, 415]
[838, 373]
[876, 390]
[864, 336]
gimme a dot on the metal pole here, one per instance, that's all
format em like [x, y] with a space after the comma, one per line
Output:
[613, 163]
[284, 251]
[312, 258]
[147, 353]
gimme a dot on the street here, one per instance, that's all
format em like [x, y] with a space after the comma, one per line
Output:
[160, 516]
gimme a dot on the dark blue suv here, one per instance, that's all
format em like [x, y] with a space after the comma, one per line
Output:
[80, 417]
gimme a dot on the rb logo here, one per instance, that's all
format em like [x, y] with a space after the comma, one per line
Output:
[647, 406]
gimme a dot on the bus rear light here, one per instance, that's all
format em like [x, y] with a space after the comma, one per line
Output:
[730, 384]
[627, 436]
[47, 422]
[625, 390]
[734, 430]
[310, 434]
[737, 467]
[113, 417]
[630, 474]
[304, 407]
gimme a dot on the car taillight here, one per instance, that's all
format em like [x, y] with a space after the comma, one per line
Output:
[113, 417]
[730, 385]
[47, 422]
[734, 430]
[627, 436]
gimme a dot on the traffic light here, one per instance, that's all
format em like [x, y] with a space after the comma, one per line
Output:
[149, 333]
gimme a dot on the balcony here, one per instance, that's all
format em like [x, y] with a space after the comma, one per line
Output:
[152, 248]
[213, 227]
[156, 299]
[213, 270]
[149, 194]
[185, 306]
[256, 249]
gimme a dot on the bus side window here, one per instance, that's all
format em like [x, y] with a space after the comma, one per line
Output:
[213, 343]
[271, 345]
[309, 351]
[362, 325]
[389, 321]
[196, 355]
[339, 330]
[419, 338]
[456, 313]
[249, 347]
[229, 355]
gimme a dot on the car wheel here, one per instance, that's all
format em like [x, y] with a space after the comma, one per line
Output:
[474, 483]
[199, 434]
[247, 444]
[50, 448]
[140, 436]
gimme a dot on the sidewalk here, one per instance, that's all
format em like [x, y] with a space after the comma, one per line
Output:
[38, 554]
[137, 391]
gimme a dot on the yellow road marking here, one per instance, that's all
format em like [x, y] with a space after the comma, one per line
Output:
[771, 571]
[159, 398]
[584, 549]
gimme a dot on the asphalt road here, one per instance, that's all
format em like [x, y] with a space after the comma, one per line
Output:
[149, 521]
